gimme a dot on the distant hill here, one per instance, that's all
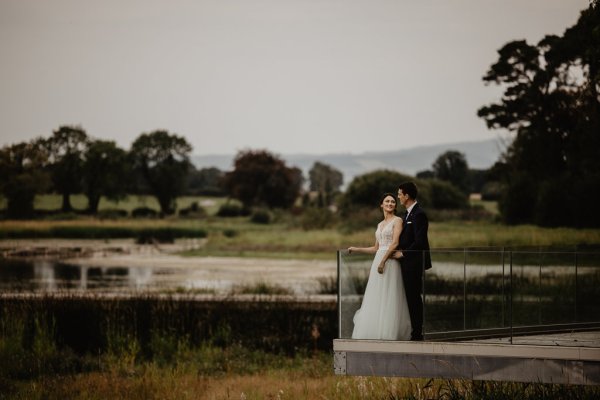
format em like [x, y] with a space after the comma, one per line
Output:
[479, 155]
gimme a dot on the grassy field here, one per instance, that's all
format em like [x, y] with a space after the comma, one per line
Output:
[285, 238]
[311, 380]
[49, 202]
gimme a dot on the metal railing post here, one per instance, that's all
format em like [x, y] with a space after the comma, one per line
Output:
[423, 287]
[512, 291]
[503, 292]
[464, 288]
[339, 293]
[576, 288]
[540, 287]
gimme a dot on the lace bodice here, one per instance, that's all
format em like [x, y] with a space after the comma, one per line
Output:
[385, 232]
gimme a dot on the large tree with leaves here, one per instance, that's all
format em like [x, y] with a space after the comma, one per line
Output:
[451, 166]
[105, 172]
[22, 167]
[325, 180]
[66, 148]
[163, 160]
[551, 102]
[260, 178]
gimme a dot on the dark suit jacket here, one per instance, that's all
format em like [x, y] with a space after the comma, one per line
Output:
[413, 240]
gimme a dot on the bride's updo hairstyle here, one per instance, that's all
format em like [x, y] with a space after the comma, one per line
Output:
[386, 195]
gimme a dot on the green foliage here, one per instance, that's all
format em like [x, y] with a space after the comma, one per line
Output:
[551, 103]
[317, 218]
[67, 147]
[326, 181]
[112, 213]
[230, 233]
[492, 191]
[232, 210]
[157, 329]
[452, 167]
[105, 172]
[193, 211]
[366, 190]
[443, 195]
[163, 160]
[262, 288]
[260, 217]
[260, 178]
[142, 234]
[144, 212]
[23, 176]
[205, 181]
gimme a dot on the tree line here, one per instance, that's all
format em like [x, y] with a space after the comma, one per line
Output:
[158, 163]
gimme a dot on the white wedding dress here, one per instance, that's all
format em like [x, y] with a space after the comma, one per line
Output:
[384, 310]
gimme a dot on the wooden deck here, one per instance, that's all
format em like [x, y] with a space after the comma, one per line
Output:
[565, 358]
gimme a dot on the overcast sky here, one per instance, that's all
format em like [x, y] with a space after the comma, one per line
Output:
[291, 76]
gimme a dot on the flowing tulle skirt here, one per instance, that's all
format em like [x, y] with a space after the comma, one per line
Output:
[384, 310]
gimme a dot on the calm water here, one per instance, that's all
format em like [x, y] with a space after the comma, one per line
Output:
[47, 275]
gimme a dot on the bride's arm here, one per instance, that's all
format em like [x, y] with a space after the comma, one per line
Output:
[393, 245]
[364, 250]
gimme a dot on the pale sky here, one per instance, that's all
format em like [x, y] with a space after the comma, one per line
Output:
[290, 76]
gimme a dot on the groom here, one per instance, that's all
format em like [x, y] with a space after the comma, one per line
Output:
[413, 253]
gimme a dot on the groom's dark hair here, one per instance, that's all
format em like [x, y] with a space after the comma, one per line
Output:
[409, 188]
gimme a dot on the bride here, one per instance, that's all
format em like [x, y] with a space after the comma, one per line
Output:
[384, 310]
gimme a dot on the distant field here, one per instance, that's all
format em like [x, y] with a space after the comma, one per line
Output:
[79, 202]
[284, 238]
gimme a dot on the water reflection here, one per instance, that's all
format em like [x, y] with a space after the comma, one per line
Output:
[47, 275]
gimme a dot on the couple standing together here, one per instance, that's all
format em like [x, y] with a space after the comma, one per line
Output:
[392, 307]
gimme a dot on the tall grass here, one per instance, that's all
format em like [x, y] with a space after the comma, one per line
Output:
[67, 347]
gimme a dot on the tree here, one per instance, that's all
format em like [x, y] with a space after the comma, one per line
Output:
[66, 148]
[205, 181]
[105, 172]
[23, 176]
[163, 160]
[260, 178]
[326, 181]
[551, 102]
[365, 190]
[425, 174]
[452, 167]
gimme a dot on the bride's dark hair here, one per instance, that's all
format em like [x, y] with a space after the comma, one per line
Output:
[392, 196]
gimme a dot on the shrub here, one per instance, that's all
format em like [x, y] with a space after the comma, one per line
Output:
[492, 191]
[167, 235]
[366, 190]
[230, 233]
[261, 217]
[111, 213]
[444, 195]
[232, 210]
[317, 218]
[360, 218]
[193, 211]
[144, 212]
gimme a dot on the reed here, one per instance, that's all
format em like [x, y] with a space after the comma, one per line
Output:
[147, 348]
